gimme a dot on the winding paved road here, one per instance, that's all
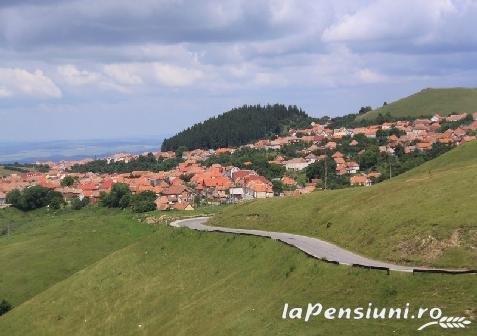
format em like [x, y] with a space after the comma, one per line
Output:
[312, 246]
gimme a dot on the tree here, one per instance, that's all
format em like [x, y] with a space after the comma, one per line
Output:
[14, 197]
[5, 307]
[67, 181]
[180, 150]
[364, 109]
[119, 197]
[144, 201]
[277, 187]
[35, 197]
[239, 126]
[369, 158]
[186, 177]
[317, 170]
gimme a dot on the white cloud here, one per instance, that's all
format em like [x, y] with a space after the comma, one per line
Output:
[369, 76]
[114, 81]
[385, 19]
[123, 74]
[175, 76]
[17, 81]
[73, 76]
[4, 92]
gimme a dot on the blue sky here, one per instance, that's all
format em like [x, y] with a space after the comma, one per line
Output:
[87, 69]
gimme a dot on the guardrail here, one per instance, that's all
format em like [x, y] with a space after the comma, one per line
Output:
[442, 271]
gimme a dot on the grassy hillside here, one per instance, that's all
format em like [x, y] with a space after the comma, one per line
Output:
[181, 282]
[426, 216]
[429, 102]
[44, 248]
[4, 171]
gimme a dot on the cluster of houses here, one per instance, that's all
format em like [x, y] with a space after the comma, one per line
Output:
[191, 182]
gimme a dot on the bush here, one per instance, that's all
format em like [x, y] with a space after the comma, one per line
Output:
[144, 202]
[5, 307]
[78, 204]
[35, 197]
[119, 197]
[67, 181]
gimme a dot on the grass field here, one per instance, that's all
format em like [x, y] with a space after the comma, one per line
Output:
[429, 102]
[6, 172]
[182, 282]
[44, 248]
[426, 216]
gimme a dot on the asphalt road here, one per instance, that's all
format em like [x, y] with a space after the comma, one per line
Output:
[312, 246]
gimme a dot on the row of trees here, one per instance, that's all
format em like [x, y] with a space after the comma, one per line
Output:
[239, 126]
[143, 162]
[35, 197]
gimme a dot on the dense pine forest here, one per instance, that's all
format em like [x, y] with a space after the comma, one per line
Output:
[143, 162]
[239, 126]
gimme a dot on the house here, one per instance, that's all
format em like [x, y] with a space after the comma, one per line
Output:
[459, 132]
[183, 206]
[474, 115]
[330, 145]
[296, 164]
[288, 181]
[352, 167]
[473, 126]
[456, 117]
[437, 118]
[337, 155]
[3, 199]
[258, 189]
[236, 194]
[422, 146]
[360, 180]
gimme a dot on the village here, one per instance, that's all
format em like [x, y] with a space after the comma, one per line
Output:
[192, 183]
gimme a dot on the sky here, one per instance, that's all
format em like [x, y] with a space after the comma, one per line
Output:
[88, 69]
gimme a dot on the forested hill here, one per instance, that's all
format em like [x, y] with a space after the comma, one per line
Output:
[239, 126]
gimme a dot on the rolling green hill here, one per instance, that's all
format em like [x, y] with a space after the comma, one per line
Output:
[429, 102]
[44, 248]
[426, 216]
[181, 282]
[239, 126]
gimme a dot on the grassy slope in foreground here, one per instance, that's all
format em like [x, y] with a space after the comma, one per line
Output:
[429, 102]
[426, 216]
[45, 248]
[182, 282]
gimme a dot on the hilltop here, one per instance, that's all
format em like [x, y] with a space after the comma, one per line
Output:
[238, 126]
[428, 102]
[169, 281]
[425, 216]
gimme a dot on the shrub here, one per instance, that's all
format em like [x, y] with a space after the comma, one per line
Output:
[78, 204]
[5, 307]
[35, 197]
[119, 197]
[144, 202]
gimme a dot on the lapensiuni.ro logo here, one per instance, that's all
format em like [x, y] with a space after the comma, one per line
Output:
[434, 316]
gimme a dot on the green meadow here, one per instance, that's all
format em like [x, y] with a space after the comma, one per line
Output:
[167, 281]
[429, 102]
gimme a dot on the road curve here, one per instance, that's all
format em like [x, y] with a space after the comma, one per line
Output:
[312, 246]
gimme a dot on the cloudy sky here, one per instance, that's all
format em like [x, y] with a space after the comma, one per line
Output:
[118, 68]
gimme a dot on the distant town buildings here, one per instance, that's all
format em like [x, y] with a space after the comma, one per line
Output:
[228, 184]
